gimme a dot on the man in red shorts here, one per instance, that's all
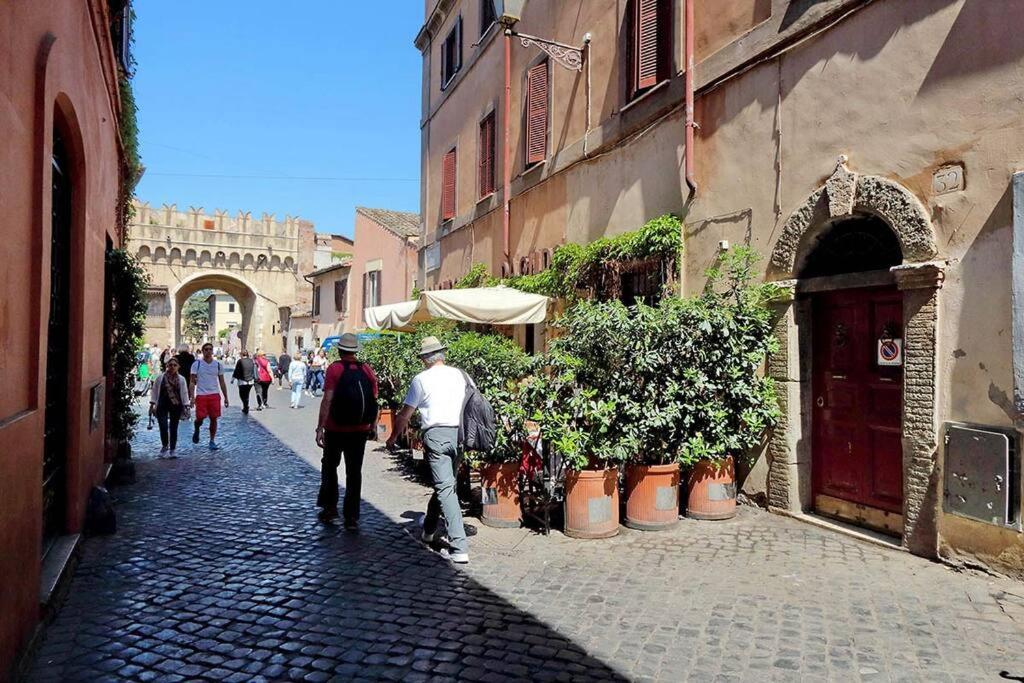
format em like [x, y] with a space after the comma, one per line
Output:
[204, 392]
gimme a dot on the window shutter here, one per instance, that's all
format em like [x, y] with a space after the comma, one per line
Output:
[366, 293]
[448, 186]
[339, 295]
[537, 113]
[487, 155]
[458, 45]
[646, 41]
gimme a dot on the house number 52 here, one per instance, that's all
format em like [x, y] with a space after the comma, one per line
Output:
[948, 179]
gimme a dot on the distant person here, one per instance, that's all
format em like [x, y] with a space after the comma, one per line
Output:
[207, 383]
[169, 402]
[296, 378]
[319, 366]
[186, 359]
[164, 356]
[283, 361]
[348, 414]
[263, 380]
[439, 393]
[245, 376]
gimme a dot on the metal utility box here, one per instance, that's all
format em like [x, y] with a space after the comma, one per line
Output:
[982, 474]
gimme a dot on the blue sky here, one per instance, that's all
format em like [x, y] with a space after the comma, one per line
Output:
[327, 90]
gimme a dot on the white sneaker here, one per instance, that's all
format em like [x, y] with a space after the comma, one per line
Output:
[172, 454]
[457, 558]
[163, 453]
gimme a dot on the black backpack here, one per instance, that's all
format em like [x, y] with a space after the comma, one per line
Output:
[353, 403]
[476, 433]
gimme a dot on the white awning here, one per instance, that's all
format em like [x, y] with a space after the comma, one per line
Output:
[485, 305]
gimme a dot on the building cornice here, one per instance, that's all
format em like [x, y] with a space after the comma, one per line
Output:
[434, 22]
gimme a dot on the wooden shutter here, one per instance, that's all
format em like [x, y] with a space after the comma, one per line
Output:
[647, 40]
[487, 155]
[537, 113]
[448, 186]
[340, 290]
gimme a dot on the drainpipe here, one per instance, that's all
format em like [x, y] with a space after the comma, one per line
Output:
[507, 187]
[690, 125]
[1017, 295]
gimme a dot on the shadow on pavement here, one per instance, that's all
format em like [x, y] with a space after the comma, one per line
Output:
[221, 571]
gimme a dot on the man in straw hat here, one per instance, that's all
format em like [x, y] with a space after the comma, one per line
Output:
[439, 393]
[348, 413]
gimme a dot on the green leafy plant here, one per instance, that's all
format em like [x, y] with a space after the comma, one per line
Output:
[684, 374]
[126, 281]
[576, 268]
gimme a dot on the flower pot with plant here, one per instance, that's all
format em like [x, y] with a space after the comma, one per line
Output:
[730, 404]
[575, 425]
[497, 365]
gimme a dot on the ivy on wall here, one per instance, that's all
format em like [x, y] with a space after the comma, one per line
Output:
[126, 281]
[577, 268]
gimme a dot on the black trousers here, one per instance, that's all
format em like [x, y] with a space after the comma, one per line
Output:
[168, 418]
[243, 393]
[261, 393]
[352, 445]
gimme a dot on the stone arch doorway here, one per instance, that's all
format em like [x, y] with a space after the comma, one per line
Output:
[861, 247]
[240, 290]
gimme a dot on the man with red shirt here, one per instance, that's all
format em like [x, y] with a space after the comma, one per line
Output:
[348, 413]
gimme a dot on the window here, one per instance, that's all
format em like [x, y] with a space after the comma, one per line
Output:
[371, 289]
[487, 155]
[451, 54]
[487, 16]
[537, 113]
[448, 186]
[231, 308]
[341, 296]
[650, 37]
[316, 300]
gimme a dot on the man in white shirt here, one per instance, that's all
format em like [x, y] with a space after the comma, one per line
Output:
[207, 377]
[439, 393]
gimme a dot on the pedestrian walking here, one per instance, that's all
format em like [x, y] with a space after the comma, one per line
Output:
[283, 361]
[348, 413]
[169, 402]
[245, 375]
[263, 380]
[296, 378]
[207, 382]
[319, 366]
[164, 356]
[439, 393]
[309, 373]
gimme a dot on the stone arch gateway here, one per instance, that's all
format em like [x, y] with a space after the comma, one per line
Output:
[918, 280]
[186, 251]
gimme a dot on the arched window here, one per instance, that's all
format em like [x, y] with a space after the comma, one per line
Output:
[857, 244]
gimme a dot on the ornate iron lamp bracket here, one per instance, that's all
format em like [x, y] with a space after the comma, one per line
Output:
[569, 56]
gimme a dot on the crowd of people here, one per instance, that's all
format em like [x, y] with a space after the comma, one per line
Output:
[183, 386]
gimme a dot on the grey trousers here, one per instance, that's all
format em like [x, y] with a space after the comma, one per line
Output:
[441, 445]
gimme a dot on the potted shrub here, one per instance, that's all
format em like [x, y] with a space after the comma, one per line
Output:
[497, 364]
[629, 356]
[730, 405]
[575, 424]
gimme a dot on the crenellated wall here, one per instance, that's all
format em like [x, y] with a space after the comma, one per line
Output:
[259, 261]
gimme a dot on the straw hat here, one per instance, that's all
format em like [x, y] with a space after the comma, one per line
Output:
[348, 343]
[431, 345]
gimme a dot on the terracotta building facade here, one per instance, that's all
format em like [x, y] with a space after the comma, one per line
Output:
[60, 174]
[857, 146]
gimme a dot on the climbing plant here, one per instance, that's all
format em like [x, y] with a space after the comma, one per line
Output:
[577, 269]
[126, 282]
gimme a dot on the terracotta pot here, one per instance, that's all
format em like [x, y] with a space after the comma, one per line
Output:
[712, 490]
[652, 496]
[500, 488]
[384, 424]
[592, 503]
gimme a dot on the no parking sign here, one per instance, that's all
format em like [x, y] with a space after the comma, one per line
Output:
[890, 352]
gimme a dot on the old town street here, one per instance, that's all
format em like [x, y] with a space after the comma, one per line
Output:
[220, 571]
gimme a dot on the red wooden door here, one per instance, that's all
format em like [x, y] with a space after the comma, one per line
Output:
[858, 403]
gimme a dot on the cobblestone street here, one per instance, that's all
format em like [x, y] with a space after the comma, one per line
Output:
[220, 571]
